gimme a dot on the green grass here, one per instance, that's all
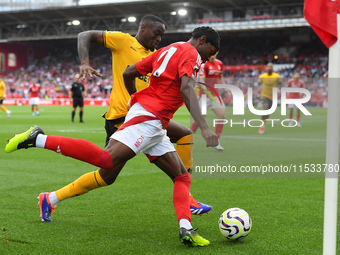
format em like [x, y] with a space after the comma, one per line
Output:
[135, 215]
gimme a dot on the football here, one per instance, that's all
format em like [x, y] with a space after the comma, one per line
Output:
[234, 224]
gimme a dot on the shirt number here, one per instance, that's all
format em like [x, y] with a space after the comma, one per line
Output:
[169, 53]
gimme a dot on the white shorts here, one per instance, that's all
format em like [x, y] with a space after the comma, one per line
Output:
[143, 135]
[291, 106]
[34, 101]
[211, 104]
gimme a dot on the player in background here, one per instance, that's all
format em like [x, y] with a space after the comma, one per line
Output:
[295, 83]
[174, 70]
[77, 93]
[127, 50]
[34, 90]
[2, 97]
[212, 73]
[268, 80]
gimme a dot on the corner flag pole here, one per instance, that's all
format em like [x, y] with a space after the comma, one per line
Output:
[332, 149]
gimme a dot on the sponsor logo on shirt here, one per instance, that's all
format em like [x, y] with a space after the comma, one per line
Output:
[139, 141]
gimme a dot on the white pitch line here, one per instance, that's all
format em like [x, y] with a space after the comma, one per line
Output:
[274, 138]
[94, 130]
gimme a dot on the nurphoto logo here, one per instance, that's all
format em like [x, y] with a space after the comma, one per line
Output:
[239, 105]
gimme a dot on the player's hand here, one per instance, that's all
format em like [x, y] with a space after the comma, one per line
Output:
[86, 69]
[210, 137]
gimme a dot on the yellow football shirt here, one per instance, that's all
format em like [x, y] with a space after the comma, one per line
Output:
[126, 51]
[268, 83]
[2, 89]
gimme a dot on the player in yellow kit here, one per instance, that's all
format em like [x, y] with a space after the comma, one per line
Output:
[127, 50]
[2, 96]
[268, 80]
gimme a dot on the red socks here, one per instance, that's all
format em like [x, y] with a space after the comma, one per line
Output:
[194, 127]
[181, 196]
[80, 149]
[218, 129]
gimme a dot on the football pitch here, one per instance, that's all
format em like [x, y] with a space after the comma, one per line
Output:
[135, 215]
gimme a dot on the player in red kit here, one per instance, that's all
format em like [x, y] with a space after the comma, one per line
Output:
[34, 90]
[174, 70]
[295, 83]
[149, 35]
[212, 73]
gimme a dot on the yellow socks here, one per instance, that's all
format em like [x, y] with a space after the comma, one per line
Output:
[184, 149]
[81, 186]
[3, 108]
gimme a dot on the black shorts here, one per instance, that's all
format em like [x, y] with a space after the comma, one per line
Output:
[110, 127]
[1, 101]
[78, 101]
[266, 100]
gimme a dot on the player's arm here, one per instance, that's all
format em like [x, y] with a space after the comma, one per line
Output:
[222, 81]
[279, 81]
[260, 81]
[85, 39]
[129, 76]
[221, 78]
[191, 102]
[202, 78]
[5, 94]
[142, 67]
[83, 91]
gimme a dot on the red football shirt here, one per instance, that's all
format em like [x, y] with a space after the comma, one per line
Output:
[167, 65]
[212, 72]
[295, 84]
[34, 90]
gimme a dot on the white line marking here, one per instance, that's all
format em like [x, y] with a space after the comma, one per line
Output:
[274, 138]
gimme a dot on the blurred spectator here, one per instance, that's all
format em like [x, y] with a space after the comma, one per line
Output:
[56, 72]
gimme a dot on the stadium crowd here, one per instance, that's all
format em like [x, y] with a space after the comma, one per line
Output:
[55, 73]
